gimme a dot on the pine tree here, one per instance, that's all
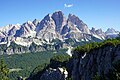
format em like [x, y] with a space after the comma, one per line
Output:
[3, 70]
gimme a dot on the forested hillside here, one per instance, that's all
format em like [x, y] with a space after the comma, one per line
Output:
[21, 65]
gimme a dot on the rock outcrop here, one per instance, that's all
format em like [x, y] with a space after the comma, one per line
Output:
[79, 23]
[96, 62]
[14, 48]
[54, 74]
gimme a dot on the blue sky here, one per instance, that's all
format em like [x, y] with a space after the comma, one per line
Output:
[95, 13]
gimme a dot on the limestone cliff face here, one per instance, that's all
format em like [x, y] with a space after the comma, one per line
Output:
[18, 49]
[54, 74]
[98, 61]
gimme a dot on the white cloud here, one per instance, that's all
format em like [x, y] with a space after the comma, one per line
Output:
[68, 5]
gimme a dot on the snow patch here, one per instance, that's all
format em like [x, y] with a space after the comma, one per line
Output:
[83, 56]
[69, 51]
[82, 40]
[8, 44]
[23, 43]
[96, 36]
[3, 43]
[112, 34]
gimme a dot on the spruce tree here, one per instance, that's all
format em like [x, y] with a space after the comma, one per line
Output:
[3, 70]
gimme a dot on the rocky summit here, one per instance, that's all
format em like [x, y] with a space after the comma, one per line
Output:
[51, 27]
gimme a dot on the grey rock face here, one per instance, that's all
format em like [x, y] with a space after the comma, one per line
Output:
[65, 29]
[13, 30]
[36, 22]
[46, 29]
[98, 33]
[13, 48]
[97, 61]
[43, 23]
[6, 29]
[56, 26]
[26, 30]
[71, 31]
[79, 23]
[59, 20]
[1, 35]
[53, 74]
[93, 30]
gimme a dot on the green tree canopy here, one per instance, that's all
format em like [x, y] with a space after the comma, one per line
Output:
[3, 70]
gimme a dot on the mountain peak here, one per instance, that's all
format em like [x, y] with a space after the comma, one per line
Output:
[58, 12]
[99, 31]
[74, 19]
[35, 22]
[93, 29]
[47, 17]
[79, 23]
[72, 15]
[59, 20]
[110, 30]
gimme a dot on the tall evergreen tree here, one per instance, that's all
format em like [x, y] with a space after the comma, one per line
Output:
[3, 70]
